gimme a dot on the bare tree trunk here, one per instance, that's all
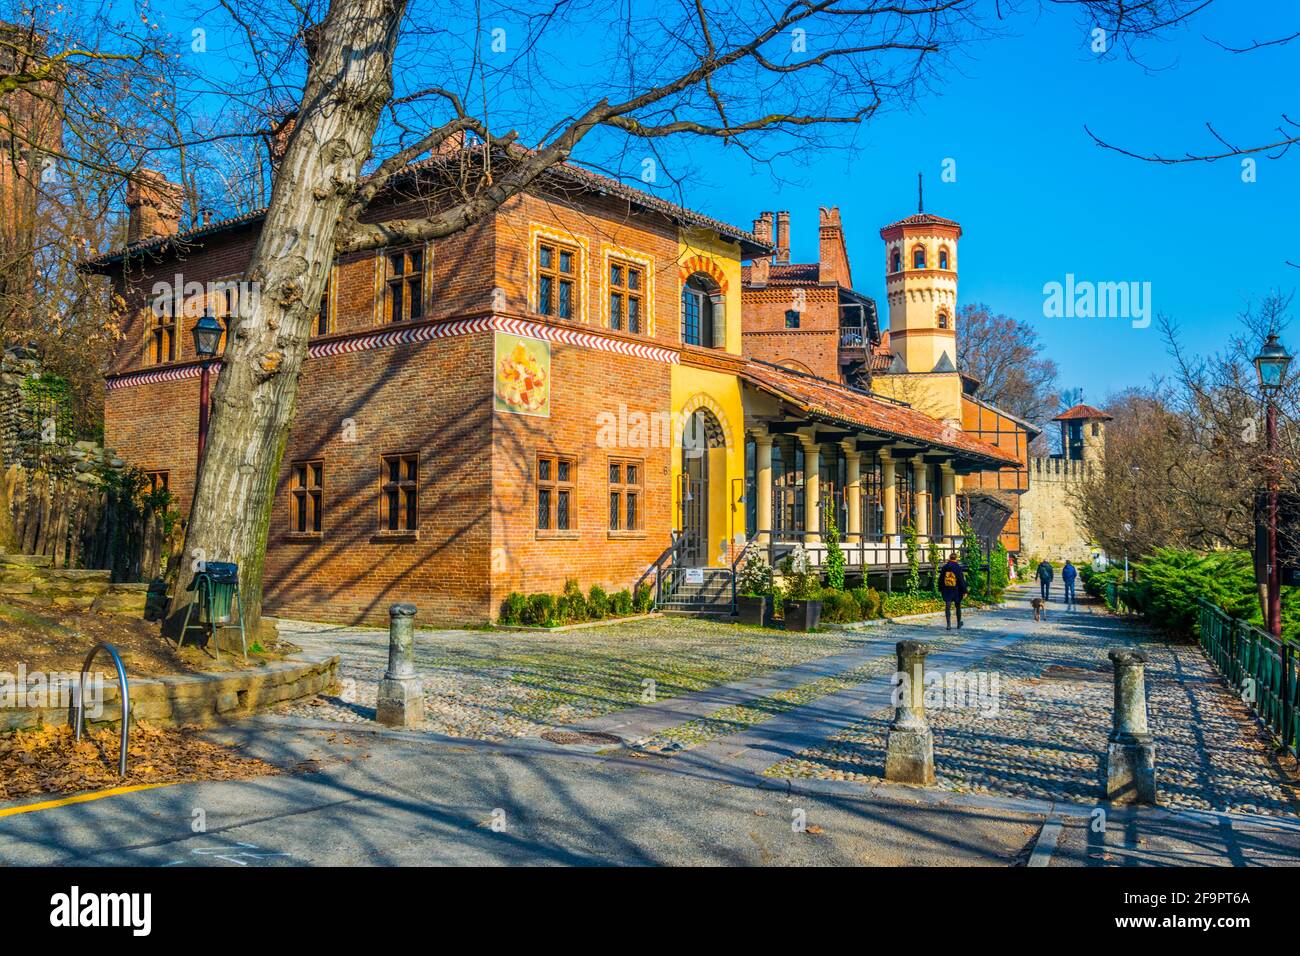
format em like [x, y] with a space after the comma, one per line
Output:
[349, 80]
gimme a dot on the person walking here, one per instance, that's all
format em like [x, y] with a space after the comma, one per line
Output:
[952, 585]
[1045, 575]
[1068, 574]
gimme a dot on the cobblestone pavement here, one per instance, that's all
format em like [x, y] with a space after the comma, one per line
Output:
[493, 685]
[739, 717]
[1044, 733]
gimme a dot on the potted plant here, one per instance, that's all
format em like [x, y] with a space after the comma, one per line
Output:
[803, 609]
[754, 592]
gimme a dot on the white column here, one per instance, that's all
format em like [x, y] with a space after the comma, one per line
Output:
[888, 495]
[920, 513]
[812, 471]
[763, 485]
[853, 488]
[949, 500]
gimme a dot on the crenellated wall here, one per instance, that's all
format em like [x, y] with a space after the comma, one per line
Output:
[1049, 526]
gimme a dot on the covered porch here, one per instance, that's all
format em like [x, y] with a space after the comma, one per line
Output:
[817, 450]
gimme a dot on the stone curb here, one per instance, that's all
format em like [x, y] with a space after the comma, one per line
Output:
[206, 698]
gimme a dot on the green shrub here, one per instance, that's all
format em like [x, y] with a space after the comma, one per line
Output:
[540, 611]
[913, 585]
[755, 578]
[839, 607]
[900, 605]
[643, 600]
[834, 554]
[972, 559]
[598, 603]
[571, 608]
[936, 562]
[621, 603]
[999, 571]
[1169, 580]
[513, 608]
[868, 601]
[802, 583]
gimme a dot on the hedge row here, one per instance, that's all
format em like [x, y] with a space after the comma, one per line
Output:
[572, 606]
[1166, 583]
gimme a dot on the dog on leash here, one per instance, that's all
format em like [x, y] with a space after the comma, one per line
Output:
[1040, 609]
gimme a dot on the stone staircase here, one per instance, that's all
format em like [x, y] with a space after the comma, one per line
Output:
[709, 599]
[33, 579]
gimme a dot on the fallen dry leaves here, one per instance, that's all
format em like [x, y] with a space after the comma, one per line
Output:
[49, 761]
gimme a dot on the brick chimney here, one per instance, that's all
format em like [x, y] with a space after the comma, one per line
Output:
[155, 206]
[783, 237]
[455, 143]
[833, 257]
[761, 267]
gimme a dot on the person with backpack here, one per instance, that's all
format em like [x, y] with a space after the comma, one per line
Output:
[1068, 574]
[1045, 575]
[952, 586]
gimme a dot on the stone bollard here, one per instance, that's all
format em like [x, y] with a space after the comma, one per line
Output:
[1131, 754]
[909, 750]
[401, 695]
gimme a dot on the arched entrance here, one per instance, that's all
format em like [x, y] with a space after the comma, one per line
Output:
[701, 434]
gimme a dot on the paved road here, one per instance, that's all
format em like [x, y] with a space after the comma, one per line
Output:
[390, 798]
[384, 801]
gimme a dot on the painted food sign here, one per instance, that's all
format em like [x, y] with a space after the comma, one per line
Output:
[522, 382]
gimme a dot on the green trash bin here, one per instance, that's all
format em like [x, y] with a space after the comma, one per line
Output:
[216, 596]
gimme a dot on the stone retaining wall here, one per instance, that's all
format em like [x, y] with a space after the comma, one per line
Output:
[31, 578]
[203, 699]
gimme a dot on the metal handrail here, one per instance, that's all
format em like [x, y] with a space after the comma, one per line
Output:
[124, 694]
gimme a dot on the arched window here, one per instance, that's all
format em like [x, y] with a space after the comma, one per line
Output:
[944, 321]
[897, 262]
[918, 257]
[943, 258]
[698, 304]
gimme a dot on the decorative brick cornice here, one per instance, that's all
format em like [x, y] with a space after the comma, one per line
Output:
[426, 332]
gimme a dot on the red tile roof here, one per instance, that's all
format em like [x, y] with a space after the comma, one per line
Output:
[921, 219]
[793, 273]
[1082, 412]
[565, 173]
[830, 400]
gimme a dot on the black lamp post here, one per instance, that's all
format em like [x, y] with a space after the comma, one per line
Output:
[207, 336]
[1271, 365]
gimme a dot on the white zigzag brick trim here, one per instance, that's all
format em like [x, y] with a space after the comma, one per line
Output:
[427, 333]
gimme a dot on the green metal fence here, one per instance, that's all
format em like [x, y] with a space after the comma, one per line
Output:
[1258, 666]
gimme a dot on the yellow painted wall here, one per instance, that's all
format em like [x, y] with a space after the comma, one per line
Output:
[937, 395]
[694, 388]
[726, 256]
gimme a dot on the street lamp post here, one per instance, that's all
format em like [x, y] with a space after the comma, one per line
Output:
[1271, 365]
[207, 336]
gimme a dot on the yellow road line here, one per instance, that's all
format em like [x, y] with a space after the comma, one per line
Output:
[81, 798]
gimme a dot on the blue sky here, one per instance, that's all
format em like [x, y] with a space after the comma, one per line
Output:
[1037, 200]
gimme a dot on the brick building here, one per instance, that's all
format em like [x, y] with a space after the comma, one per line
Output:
[808, 317]
[557, 392]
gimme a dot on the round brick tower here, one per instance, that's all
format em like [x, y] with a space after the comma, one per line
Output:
[921, 289]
